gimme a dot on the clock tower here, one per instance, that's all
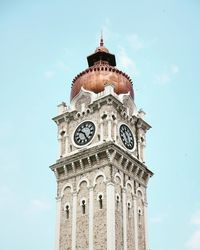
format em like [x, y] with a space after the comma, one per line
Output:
[101, 172]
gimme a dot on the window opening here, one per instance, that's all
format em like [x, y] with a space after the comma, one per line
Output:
[67, 211]
[83, 206]
[129, 208]
[117, 198]
[100, 202]
[62, 133]
[139, 215]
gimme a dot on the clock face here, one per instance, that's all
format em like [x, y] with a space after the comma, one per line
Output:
[84, 133]
[126, 136]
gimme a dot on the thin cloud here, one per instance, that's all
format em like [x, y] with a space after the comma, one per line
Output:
[166, 77]
[107, 31]
[196, 218]
[125, 62]
[50, 74]
[174, 69]
[194, 241]
[135, 41]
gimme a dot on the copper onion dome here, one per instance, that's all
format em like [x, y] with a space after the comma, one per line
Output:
[102, 70]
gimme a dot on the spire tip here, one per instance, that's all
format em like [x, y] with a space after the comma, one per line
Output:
[101, 40]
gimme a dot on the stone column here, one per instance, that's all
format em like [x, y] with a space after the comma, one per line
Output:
[109, 119]
[74, 208]
[67, 137]
[101, 131]
[135, 223]
[146, 227]
[110, 190]
[143, 145]
[91, 214]
[58, 213]
[60, 145]
[124, 219]
[139, 148]
[115, 130]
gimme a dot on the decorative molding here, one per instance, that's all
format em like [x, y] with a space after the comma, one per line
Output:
[64, 187]
[124, 219]
[111, 153]
[110, 189]
[82, 180]
[118, 175]
[96, 176]
[74, 211]
[128, 182]
[91, 217]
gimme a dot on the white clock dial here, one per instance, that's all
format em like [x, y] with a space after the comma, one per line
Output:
[126, 136]
[84, 133]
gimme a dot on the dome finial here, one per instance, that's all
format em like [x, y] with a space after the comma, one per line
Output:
[101, 40]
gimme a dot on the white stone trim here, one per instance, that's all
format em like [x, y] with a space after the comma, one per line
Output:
[91, 214]
[135, 223]
[64, 187]
[118, 175]
[124, 219]
[82, 180]
[140, 190]
[110, 189]
[109, 119]
[146, 227]
[128, 182]
[83, 92]
[58, 213]
[96, 176]
[115, 130]
[74, 208]
[101, 131]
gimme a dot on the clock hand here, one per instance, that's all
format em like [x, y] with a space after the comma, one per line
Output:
[127, 136]
[83, 134]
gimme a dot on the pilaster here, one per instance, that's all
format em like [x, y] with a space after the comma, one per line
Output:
[135, 223]
[91, 214]
[58, 213]
[124, 219]
[74, 210]
[146, 227]
[110, 189]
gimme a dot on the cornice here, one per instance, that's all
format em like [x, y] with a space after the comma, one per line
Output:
[89, 159]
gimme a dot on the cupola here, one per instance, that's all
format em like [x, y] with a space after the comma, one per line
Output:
[102, 70]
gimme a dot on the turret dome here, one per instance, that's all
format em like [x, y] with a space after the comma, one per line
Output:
[102, 70]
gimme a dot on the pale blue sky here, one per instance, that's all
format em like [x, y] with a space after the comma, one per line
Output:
[43, 45]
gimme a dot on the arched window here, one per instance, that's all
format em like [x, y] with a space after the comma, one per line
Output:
[83, 206]
[139, 216]
[129, 207]
[117, 200]
[100, 201]
[67, 211]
